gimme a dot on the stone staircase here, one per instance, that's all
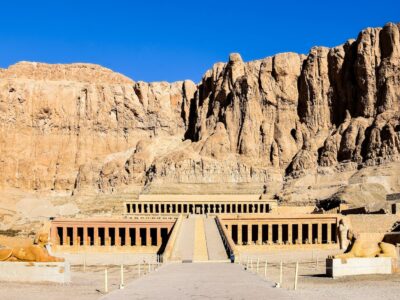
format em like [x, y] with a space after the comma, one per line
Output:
[199, 241]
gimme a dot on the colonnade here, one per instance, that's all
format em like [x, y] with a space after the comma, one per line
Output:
[282, 233]
[109, 235]
[195, 208]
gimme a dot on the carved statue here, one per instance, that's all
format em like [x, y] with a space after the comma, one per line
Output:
[343, 235]
[366, 248]
[34, 253]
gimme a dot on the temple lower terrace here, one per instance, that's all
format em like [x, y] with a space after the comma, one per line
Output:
[282, 230]
[108, 233]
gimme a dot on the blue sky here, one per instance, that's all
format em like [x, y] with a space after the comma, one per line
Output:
[176, 40]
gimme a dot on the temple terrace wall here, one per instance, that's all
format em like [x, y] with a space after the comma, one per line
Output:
[272, 230]
[106, 234]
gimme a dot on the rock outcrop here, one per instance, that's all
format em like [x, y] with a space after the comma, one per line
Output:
[83, 127]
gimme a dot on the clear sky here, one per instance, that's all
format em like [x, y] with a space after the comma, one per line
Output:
[175, 40]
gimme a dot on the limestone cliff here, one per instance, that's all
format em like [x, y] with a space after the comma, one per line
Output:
[82, 127]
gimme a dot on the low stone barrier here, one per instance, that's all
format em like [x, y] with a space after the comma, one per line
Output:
[35, 271]
[338, 267]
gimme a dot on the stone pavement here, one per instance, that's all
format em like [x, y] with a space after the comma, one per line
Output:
[198, 241]
[201, 281]
[183, 249]
[215, 246]
[200, 252]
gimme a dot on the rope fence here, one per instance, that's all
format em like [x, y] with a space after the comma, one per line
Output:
[114, 276]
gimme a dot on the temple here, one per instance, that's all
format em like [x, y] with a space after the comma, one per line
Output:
[243, 220]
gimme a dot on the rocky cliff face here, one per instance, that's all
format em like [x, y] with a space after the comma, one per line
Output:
[83, 127]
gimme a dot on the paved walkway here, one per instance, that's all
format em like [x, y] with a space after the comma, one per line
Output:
[183, 250]
[215, 246]
[200, 281]
[200, 251]
[198, 241]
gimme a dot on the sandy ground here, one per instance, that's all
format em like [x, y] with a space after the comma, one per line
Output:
[215, 281]
[86, 285]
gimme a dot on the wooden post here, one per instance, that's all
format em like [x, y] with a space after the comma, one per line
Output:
[265, 269]
[121, 286]
[296, 274]
[258, 263]
[105, 280]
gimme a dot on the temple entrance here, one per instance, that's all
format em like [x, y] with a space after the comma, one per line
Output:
[197, 210]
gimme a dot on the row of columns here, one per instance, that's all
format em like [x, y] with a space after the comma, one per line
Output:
[100, 236]
[238, 237]
[193, 208]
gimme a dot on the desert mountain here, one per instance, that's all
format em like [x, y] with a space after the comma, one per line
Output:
[328, 120]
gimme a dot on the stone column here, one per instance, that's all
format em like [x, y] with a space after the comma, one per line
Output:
[203, 209]
[319, 233]
[138, 239]
[279, 233]
[329, 233]
[310, 241]
[54, 238]
[107, 236]
[96, 236]
[118, 238]
[249, 235]
[127, 237]
[64, 240]
[239, 234]
[259, 237]
[270, 241]
[148, 236]
[86, 242]
[300, 234]
[290, 234]
[75, 236]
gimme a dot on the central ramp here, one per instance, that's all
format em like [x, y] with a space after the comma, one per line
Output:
[199, 240]
[215, 245]
[183, 250]
[200, 252]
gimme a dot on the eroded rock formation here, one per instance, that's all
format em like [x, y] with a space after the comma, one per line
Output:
[83, 127]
